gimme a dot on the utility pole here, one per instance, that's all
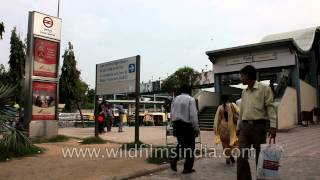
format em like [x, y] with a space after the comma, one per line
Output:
[58, 7]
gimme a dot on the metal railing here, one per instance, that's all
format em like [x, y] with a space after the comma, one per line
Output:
[74, 120]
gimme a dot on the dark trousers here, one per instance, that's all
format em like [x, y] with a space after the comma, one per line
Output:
[186, 143]
[250, 134]
[101, 127]
[108, 123]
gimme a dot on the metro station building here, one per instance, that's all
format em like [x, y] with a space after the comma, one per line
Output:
[288, 61]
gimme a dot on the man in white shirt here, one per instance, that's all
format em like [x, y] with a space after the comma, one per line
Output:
[184, 116]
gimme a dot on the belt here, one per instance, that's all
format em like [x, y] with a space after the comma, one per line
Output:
[258, 121]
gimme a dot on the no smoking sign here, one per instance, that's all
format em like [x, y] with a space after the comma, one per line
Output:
[47, 22]
[46, 26]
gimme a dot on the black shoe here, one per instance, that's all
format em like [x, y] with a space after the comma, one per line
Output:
[188, 171]
[173, 165]
[232, 159]
[228, 161]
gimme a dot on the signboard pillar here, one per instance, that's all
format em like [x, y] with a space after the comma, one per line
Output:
[137, 119]
[41, 78]
[96, 106]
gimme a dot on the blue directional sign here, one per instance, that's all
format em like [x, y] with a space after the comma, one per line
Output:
[132, 68]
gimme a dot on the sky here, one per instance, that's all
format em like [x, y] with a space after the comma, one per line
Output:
[167, 34]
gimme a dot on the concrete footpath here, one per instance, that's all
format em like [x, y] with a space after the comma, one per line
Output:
[301, 156]
[300, 161]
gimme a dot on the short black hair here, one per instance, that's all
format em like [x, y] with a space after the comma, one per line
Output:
[185, 88]
[250, 71]
[224, 98]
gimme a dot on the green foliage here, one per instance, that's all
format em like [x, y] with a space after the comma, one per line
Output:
[88, 100]
[6, 110]
[17, 64]
[72, 89]
[93, 140]
[7, 154]
[4, 75]
[90, 95]
[14, 143]
[57, 138]
[183, 75]
[1, 30]
[88, 106]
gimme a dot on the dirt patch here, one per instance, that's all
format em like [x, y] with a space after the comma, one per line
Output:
[53, 165]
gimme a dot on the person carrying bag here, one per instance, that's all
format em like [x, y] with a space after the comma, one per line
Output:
[269, 160]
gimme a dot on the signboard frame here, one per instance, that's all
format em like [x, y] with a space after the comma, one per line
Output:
[137, 95]
[47, 125]
[114, 77]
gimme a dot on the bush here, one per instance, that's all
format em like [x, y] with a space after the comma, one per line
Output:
[7, 154]
[16, 144]
[57, 138]
[93, 140]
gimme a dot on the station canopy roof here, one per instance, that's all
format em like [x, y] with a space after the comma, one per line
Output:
[302, 40]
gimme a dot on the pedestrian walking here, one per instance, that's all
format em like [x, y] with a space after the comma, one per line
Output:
[256, 111]
[101, 116]
[109, 117]
[121, 117]
[225, 123]
[184, 116]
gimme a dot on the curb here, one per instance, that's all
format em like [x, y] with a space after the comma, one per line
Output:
[141, 173]
[145, 172]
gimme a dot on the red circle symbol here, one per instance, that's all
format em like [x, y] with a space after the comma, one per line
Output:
[47, 22]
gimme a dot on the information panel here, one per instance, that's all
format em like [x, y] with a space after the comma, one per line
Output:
[117, 76]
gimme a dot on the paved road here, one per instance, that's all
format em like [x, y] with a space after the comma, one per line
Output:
[301, 160]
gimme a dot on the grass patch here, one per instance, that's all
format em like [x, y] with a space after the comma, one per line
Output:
[6, 153]
[57, 138]
[93, 140]
[160, 155]
[134, 145]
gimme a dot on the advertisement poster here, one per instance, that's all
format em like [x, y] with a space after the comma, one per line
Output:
[44, 100]
[206, 78]
[45, 58]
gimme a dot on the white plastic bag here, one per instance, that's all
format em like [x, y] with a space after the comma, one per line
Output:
[269, 160]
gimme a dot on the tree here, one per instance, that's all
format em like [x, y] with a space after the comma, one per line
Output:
[89, 100]
[183, 75]
[72, 89]
[17, 64]
[90, 95]
[1, 29]
[4, 76]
